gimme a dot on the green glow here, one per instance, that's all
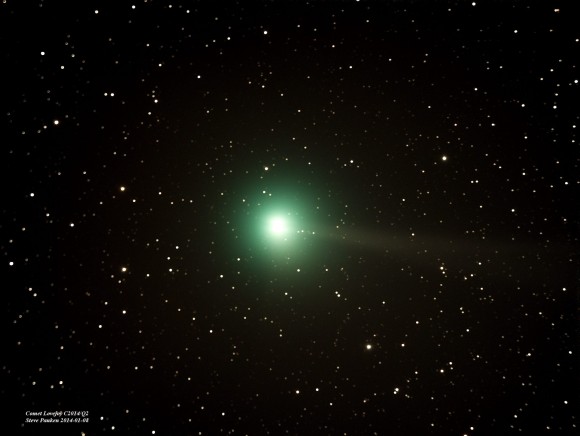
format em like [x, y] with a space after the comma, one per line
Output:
[277, 221]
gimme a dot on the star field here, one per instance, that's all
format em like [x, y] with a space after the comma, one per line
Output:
[303, 218]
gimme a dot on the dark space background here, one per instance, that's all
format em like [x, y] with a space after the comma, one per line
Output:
[429, 149]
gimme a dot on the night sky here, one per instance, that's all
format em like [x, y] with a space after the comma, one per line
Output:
[292, 217]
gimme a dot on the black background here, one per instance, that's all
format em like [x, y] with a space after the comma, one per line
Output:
[432, 146]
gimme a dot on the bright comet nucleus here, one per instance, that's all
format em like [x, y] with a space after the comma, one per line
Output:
[278, 226]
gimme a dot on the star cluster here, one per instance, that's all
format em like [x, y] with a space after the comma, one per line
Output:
[320, 217]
